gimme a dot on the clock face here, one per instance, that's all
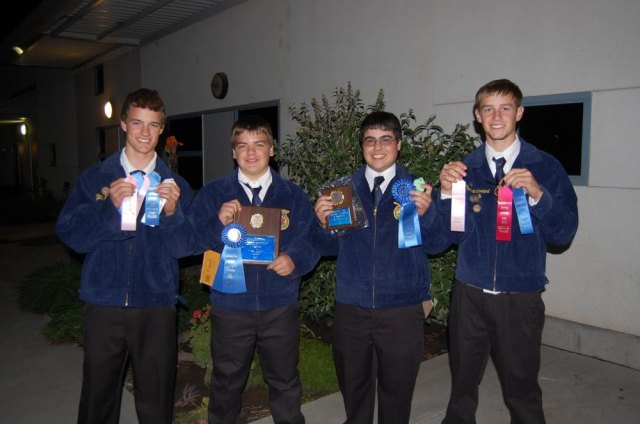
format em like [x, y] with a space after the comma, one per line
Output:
[219, 85]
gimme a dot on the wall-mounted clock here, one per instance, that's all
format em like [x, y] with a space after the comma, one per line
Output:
[219, 85]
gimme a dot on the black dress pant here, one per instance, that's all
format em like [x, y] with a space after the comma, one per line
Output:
[382, 346]
[113, 336]
[274, 334]
[506, 327]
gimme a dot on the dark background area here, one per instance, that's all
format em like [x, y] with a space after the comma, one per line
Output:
[15, 12]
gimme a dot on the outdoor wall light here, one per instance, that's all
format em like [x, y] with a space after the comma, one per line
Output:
[18, 50]
[23, 129]
[108, 109]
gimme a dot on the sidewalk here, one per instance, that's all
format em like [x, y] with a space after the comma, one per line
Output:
[576, 390]
[39, 382]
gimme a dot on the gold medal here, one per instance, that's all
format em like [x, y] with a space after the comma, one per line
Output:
[256, 220]
[337, 197]
[477, 208]
[396, 210]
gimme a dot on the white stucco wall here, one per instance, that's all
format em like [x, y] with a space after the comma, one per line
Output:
[432, 56]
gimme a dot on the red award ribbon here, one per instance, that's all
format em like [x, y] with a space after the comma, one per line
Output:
[504, 214]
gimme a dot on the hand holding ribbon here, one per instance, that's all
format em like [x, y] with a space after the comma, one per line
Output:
[151, 201]
[408, 223]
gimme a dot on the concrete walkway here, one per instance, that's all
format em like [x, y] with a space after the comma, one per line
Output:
[40, 382]
[576, 390]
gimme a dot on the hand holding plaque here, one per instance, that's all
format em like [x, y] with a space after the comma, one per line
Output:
[343, 215]
[348, 214]
[263, 234]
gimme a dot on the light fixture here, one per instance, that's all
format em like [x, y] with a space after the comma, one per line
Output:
[108, 109]
[23, 129]
[18, 50]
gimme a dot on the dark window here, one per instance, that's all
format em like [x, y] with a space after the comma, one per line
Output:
[188, 132]
[102, 144]
[560, 125]
[99, 79]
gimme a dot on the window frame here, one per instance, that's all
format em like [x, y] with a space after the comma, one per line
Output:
[585, 98]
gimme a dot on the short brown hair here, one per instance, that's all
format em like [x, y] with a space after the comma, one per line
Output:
[502, 87]
[145, 99]
[253, 124]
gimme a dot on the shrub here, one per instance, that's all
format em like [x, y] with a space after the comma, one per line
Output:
[53, 290]
[50, 289]
[199, 340]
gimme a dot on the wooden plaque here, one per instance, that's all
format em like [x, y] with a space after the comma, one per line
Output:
[343, 215]
[263, 229]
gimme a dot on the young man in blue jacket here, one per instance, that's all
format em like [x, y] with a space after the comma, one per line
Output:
[130, 276]
[263, 317]
[380, 287]
[496, 306]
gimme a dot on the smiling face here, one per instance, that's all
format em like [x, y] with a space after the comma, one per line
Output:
[143, 128]
[380, 148]
[252, 150]
[499, 115]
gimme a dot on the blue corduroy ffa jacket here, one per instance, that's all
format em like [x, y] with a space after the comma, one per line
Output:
[372, 272]
[517, 265]
[124, 268]
[265, 289]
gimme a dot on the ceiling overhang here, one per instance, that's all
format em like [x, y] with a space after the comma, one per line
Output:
[69, 33]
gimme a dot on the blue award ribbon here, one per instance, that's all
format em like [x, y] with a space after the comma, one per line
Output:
[408, 223]
[152, 202]
[522, 210]
[139, 177]
[230, 274]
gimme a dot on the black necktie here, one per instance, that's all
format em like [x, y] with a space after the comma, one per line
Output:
[377, 192]
[499, 169]
[255, 199]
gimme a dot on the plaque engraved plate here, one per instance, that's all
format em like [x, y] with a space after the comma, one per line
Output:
[263, 234]
[343, 215]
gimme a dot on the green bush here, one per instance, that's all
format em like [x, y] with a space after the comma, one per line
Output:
[194, 294]
[53, 290]
[50, 289]
[199, 340]
[66, 326]
[326, 146]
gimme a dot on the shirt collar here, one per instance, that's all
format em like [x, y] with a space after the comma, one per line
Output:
[129, 168]
[509, 154]
[264, 180]
[388, 175]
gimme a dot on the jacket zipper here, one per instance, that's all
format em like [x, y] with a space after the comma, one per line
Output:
[375, 238]
[495, 268]
[126, 297]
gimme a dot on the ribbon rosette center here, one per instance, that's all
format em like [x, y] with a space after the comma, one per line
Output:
[401, 191]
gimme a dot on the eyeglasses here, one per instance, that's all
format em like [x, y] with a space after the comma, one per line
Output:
[385, 141]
